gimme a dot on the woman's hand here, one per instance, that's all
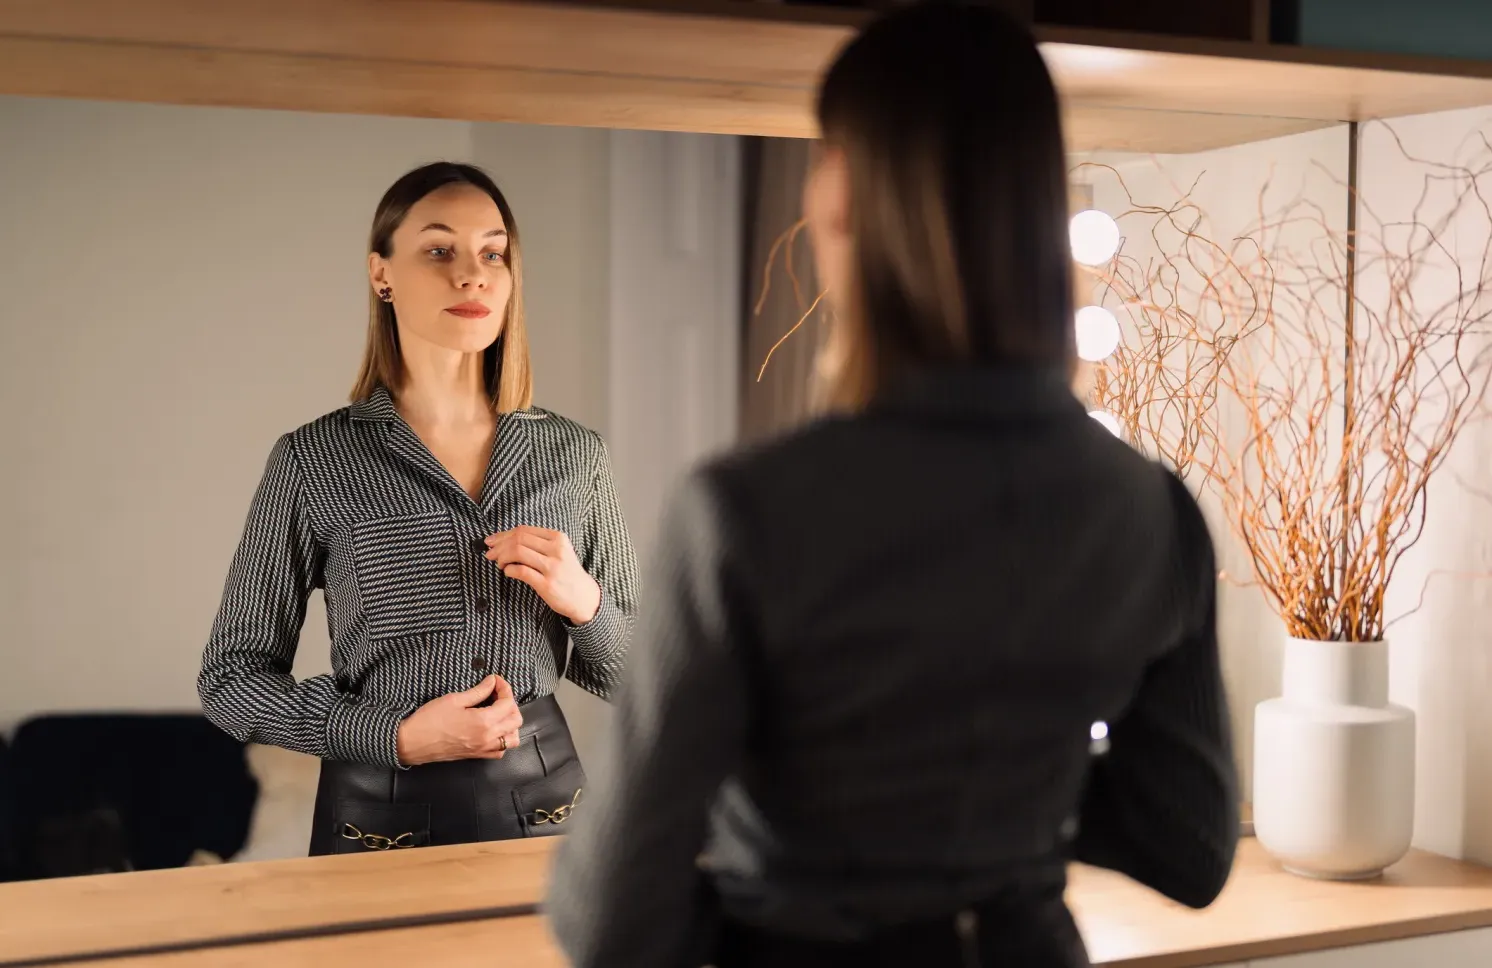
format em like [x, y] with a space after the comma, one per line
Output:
[456, 727]
[545, 561]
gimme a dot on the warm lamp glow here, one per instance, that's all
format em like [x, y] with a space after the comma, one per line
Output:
[1107, 419]
[1098, 738]
[1097, 333]
[1094, 237]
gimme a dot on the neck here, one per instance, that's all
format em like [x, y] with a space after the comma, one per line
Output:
[442, 388]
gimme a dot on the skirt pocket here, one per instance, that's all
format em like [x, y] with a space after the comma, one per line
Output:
[546, 804]
[364, 825]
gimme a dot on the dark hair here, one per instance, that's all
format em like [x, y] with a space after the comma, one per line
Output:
[952, 132]
[505, 365]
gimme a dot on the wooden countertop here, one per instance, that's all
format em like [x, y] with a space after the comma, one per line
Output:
[1262, 913]
[1265, 912]
[72, 916]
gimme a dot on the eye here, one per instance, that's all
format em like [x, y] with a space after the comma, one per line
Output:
[497, 257]
[439, 251]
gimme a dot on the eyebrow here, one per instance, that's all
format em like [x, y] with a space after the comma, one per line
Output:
[442, 227]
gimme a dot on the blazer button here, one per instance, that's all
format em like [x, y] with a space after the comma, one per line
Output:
[478, 663]
[479, 545]
[482, 605]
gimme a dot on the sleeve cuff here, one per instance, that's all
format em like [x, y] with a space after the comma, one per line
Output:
[359, 733]
[604, 635]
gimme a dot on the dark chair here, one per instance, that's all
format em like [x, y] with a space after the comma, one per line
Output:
[7, 816]
[94, 793]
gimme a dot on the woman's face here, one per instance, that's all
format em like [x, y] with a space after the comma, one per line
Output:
[449, 271]
[826, 208]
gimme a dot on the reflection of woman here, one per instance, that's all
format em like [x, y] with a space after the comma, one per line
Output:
[460, 536]
[877, 647]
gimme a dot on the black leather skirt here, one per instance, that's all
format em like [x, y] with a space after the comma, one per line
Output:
[531, 792]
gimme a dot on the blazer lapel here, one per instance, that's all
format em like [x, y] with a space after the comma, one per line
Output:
[510, 451]
[404, 442]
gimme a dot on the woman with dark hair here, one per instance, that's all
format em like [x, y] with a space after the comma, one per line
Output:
[462, 538]
[857, 724]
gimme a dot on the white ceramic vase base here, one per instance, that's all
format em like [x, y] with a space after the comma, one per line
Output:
[1334, 764]
[1370, 876]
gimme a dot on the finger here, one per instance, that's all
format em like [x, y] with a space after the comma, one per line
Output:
[503, 689]
[556, 544]
[479, 692]
[534, 579]
[501, 717]
[547, 534]
[549, 542]
[534, 558]
[495, 744]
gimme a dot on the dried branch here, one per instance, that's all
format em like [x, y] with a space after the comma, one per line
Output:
[1342, 426]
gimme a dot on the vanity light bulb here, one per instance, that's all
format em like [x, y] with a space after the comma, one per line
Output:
[1097, 333]
[1107, 419]
[1094, 237]
[1098, 736]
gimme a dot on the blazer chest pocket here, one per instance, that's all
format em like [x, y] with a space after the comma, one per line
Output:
[408, 575]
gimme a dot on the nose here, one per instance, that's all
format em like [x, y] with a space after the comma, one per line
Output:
[467, 273]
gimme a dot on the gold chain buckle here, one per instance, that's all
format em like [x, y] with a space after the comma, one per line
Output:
[378, 841]
[559, 814]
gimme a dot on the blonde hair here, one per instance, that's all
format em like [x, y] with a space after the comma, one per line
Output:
[506, 369]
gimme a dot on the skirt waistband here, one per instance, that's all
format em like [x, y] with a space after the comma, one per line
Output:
[530, 791]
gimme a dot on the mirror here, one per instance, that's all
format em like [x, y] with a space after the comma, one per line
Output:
[181, 285]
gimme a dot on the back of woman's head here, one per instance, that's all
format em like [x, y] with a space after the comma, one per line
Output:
[950, 132]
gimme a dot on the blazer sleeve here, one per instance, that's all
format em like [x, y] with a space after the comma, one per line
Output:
[1161, 806]
[625, 890]
[245, 684]
[606, 553]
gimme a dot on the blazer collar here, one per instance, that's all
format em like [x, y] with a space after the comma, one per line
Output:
[510, 449]
[376, 406]
[983, 391]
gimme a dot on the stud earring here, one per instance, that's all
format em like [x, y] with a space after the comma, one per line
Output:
[386, 294]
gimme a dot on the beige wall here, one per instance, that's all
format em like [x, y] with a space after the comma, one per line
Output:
[1440, 602]
[178, 286]
[1226, 186]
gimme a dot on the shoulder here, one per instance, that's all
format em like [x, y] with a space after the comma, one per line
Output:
[553, 428]
[559, 434]
[346, 429]
[1195, 551]
[746, 489]
[565, 445]
[778, 471]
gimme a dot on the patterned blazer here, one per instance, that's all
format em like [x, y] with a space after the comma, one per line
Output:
[353, 503]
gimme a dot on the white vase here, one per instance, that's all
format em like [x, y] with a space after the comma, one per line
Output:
[1334, 764]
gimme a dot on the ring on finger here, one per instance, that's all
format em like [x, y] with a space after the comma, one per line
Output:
[502, 744]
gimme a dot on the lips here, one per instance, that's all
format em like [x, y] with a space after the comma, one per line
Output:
[469, 310]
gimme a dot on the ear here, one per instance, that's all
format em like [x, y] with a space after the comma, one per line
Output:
[378, 271]
[826, 191]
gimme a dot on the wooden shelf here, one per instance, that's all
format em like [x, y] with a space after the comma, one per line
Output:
[719, 66]
[346, 908]
[214, 905]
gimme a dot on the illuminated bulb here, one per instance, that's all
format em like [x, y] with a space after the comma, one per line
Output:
[1098, 735]
[1107, 419]
[1094, 237]
[1097, 332]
